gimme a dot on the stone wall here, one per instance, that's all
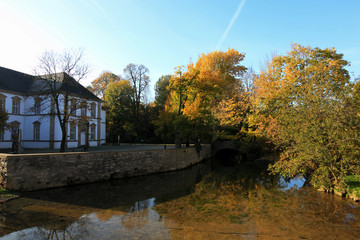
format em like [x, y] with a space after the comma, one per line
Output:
[39, 171]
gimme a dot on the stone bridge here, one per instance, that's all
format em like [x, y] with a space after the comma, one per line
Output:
[230, 152]
[229, 145]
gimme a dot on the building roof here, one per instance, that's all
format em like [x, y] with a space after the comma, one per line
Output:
[14, 81]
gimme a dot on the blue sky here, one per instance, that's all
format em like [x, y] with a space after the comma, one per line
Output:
[163, 34]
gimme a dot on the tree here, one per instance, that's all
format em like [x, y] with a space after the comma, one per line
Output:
[60, 74]
[161, 91]
[118, 104]
[4, 116]
[196, 91]
[99, 85]
[307, 108]
[138, 75]
[139, 79]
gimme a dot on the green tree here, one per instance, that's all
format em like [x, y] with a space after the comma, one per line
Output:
[161, 91]
[307, 107]
[119, 112]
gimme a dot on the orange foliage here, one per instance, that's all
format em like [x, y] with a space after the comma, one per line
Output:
[202, 86]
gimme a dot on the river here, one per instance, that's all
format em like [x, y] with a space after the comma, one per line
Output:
[206, 201]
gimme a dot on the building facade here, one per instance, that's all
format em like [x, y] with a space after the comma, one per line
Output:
[34, 120]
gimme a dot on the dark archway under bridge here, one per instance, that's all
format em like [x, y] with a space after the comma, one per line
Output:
[228, 153]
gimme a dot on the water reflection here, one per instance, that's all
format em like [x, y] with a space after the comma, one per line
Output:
[228, 203]
[104, 210]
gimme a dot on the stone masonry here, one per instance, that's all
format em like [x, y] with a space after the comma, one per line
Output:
[39, 171]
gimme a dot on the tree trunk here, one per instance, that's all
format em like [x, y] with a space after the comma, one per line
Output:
[63, 140]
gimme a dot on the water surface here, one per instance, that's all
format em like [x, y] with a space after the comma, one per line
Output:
[195, 203]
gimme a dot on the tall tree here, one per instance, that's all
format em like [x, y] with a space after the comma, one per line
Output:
[196, 91]
[60, 73]
[161, 91]
[307, 108]
[99, 85]
[138, 75]
[118, 102]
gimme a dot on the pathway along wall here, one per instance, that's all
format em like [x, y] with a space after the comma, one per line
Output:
[39, 171]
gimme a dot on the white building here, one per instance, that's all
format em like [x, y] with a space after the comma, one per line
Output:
[33, 114]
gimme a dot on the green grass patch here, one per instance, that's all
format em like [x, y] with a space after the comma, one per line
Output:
[353, 184]
[3, 191]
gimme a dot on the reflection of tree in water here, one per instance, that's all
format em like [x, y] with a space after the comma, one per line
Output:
[251, 204]
[137, 216]
[77, 230]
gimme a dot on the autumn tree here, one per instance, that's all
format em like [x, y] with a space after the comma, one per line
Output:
[59, 75]
[307, 108]
[99, 85]
[196, 90]
[234, 110]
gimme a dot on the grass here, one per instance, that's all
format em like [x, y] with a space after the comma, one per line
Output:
[3, 191]
[353, 185]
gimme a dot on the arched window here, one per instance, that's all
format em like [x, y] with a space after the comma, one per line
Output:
[36, 130]
[93, 110]
[72, 132]
[83, 109]
[92, 131]
[37, 106]
[73, 107]
[16, 105]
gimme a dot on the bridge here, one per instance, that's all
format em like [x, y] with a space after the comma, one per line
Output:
[230, 152]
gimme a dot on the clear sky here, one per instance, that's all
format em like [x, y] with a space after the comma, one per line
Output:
[163, 34]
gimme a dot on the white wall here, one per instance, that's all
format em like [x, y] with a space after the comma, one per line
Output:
[26, 118]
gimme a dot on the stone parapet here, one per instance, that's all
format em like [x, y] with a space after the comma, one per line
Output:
[28, 172]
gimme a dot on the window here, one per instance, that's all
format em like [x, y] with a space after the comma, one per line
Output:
[36, 131]
[93, 110]
[92, 132]
[73, 107]
[15, 105]
[72, 132]
[37, 106]
[83, 109]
